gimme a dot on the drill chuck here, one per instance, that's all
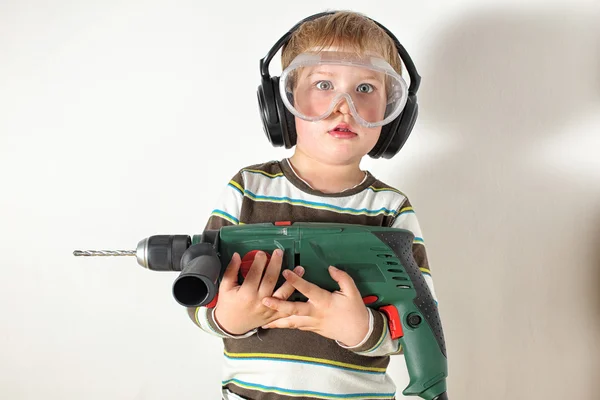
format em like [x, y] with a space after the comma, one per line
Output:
[162, 252]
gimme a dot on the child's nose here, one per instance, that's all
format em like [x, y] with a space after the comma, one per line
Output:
[342, 106]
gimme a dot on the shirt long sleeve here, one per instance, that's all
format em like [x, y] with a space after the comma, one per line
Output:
[227, 212]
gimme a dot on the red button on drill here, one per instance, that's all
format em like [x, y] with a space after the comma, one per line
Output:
[370, 299]
[213, 303]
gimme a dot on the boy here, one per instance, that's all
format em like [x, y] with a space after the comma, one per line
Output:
[342, 82]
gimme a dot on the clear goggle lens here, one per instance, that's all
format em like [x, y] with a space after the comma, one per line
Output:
[315, 85]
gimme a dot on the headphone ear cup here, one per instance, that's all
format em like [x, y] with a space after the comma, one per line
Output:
[387, 133]
[286, 118]
[405, 127]
[269, 114]
[291, 128]
[394, 135]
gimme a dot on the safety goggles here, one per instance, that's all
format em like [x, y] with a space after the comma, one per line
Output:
[315, 85]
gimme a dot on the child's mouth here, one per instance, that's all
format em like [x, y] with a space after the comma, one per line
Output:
[342, 132]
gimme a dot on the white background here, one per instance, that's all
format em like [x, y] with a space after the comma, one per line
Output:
[120, 120]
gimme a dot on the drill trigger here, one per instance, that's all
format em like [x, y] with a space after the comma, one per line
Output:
[393, 317]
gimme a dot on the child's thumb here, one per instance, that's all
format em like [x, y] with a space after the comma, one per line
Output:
[343, 279]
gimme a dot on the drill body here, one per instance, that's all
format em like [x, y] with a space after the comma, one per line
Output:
[379, 259]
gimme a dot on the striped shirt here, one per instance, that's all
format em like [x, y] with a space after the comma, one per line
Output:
[285, 364]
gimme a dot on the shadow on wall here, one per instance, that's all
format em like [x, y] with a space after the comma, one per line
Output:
[510, 232]
[594, 283]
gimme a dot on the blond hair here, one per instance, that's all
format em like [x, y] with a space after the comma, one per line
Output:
[348, 30]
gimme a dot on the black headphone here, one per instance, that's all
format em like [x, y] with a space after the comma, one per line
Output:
[278, 121]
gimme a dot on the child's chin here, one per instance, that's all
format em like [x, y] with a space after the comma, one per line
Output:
[341, 156]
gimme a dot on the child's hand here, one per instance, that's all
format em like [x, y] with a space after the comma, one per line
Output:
[341, 315]
[239, 308]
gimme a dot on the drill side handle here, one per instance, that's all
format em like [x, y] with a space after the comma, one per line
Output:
[197, 285]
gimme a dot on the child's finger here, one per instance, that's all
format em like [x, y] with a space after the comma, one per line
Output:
[291, 322]
[347, 284]
[255, 273]
[272, 270]
[288, 307]
[230, 275]
[286, 290]
[308, 289]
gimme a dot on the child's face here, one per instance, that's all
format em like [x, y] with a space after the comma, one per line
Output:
[338, 139]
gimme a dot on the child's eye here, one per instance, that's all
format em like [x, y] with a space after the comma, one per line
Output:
[365, 88]
[324, 85]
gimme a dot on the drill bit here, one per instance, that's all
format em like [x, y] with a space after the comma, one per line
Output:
[141, 253]
[104, 253]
